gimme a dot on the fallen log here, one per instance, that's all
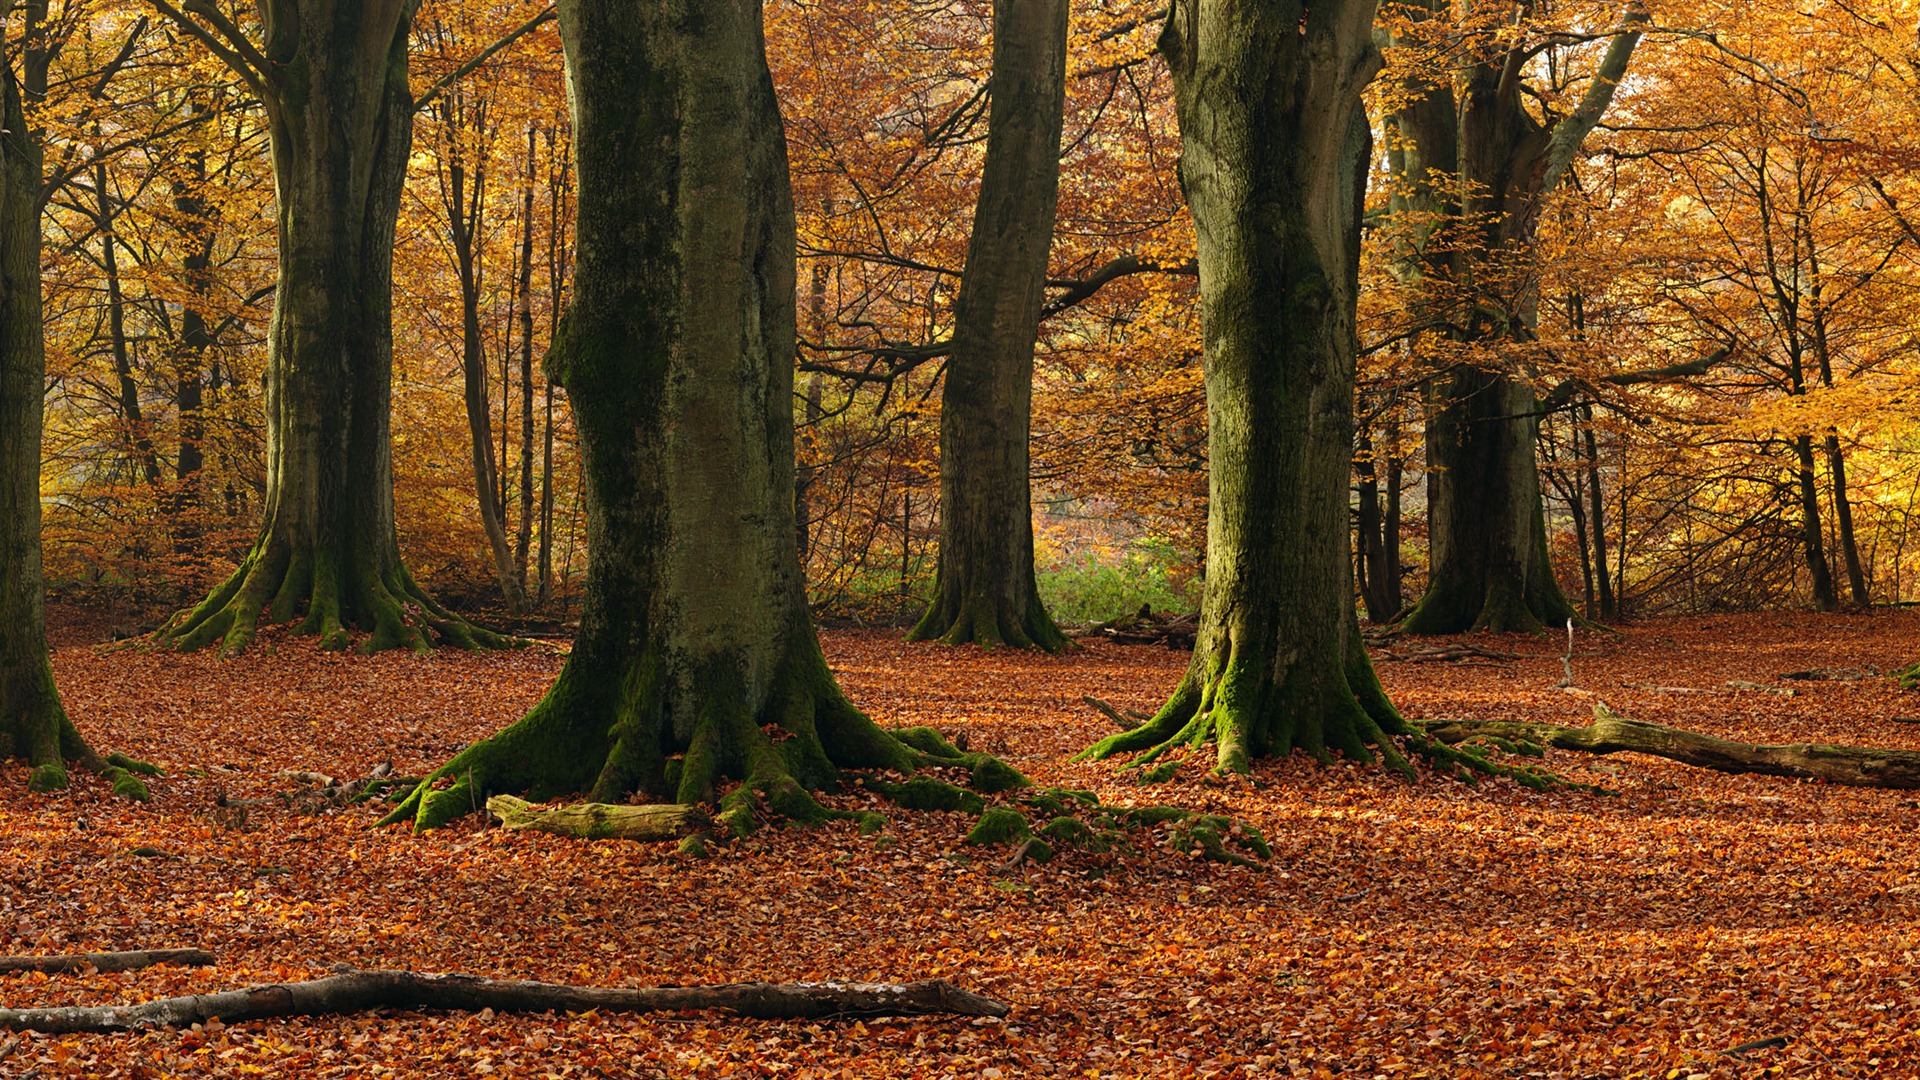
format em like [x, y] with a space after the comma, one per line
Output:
[1611, 733]
[602, 821]
[1125, 721]
[70, 963]
[1827, 674]
[358, 991]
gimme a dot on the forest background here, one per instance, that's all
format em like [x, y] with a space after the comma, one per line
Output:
[1742, 199]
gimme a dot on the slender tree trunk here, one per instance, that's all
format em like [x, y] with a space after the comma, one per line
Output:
[1843, 519]
[696, 659]
[1274, 141]
[1377, 589]
[197, 230]
[333, 77]
[561, 170]
[33, 725]
[985, 591]
[1812, 538]
[524, 540]
[1609, 606]
[139, 440]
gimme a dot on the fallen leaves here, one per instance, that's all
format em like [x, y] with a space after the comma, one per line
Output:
[1404, 930]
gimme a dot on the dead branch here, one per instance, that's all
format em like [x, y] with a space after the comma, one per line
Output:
[1449, 653]
[1125, 721]
[358, 991]
[602, 821]
[105, 961]
[1611, 733]
[1827, 674]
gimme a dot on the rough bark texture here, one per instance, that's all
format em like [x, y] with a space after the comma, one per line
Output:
[1273, 136]
[601, 821]
[1489, 566]
[112, 961]
[696, 660]
[358, 991]
[985, 592]
[333, 77]
[1611, 733]
[33, 725]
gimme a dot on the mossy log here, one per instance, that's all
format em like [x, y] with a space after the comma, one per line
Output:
[70, 963]
[1611, 733]
[602, 821]
[358, 991]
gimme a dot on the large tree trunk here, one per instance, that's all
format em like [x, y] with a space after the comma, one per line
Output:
[696, 660]
[333, 77]
[1274, 141]
[1489, 564]
[33, 724]
[985, 591]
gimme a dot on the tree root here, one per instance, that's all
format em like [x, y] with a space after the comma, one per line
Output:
[1611, 733]
[980, 621]
[357, 991]
[391, 606]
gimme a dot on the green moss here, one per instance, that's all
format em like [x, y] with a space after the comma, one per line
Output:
[1140, 817]
[132, 765]
[736, 812]
[1057, 801]
[921, 793]
[694, 846]
[1000, 825]
[1070, 831]
[125, 784]
[1157, 773]
[991, 775]
[928, 741]
[1209, 834]
[1038, 850]
[869, 822]
[49, 777]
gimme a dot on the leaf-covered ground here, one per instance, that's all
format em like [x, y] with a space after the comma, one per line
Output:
[1430, 930]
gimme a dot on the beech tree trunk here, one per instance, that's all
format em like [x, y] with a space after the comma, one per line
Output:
[1274, 144]
[333, 77]
[696, 661]
[34, 726]
[1489, 566]
[984, 591]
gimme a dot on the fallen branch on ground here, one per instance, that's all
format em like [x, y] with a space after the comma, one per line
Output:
[105, 961]
[602, 821]
[1125, 721]
[357, 991]
[1828, 674]
[1435, 654]
[1611, 733]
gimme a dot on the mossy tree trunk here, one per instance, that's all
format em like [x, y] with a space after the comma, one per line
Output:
[1489, 565]
[33, 725]
[332, 75]
[985, 591]
[1274, 141]
[696, 661]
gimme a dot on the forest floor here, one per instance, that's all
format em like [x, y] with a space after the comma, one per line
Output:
[1403, 930]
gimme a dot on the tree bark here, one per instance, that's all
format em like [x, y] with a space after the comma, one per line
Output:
[984, 590]
[1274, 140]
[34, 726]
[696, 661]
[332, 75]
[71, 963]
[1611, 733]
[1490, 568]
[1812, 537]
[358, 991]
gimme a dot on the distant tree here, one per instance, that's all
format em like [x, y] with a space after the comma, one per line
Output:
[696, 661]
[332, 76]
[33, 724]
[985, 590]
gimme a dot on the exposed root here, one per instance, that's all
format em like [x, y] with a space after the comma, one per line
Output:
[980, 621]
[327, 603]
[769, 766]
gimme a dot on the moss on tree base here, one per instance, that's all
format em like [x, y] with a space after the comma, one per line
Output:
[313, 588]
[979, 620]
